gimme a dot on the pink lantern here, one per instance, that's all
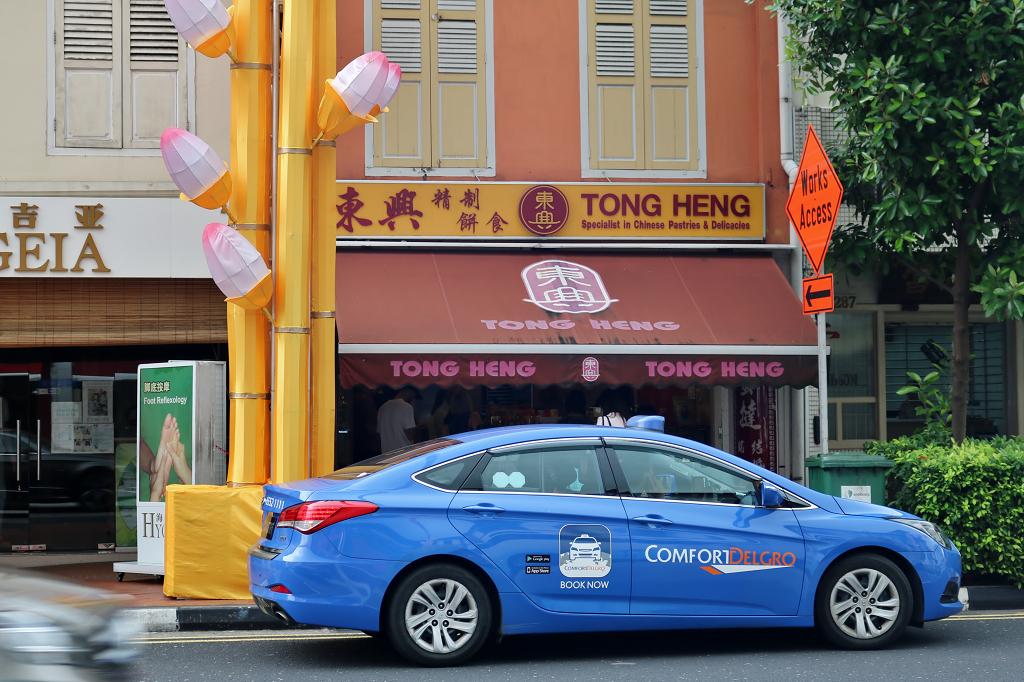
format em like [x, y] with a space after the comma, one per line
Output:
[394, 79]
[202, 23]
[195, 168]
[349, 99]
[237, 267]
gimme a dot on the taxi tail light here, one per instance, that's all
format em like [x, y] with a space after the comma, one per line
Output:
[310, 517]
[280, 589]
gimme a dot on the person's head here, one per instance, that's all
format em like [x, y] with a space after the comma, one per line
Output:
[575, 402]
[439, 400]
[611, 402]
[407, 393]
[461, 404]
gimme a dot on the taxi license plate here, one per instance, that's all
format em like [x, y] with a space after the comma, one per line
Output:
[269, 521]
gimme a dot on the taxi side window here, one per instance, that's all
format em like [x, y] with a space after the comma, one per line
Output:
[675, 475]
[569, 470]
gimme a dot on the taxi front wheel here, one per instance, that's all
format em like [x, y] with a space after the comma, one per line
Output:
[863, 602]
[440, 615]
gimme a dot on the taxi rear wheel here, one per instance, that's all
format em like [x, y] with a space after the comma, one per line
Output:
[863, 602]
[440, 616]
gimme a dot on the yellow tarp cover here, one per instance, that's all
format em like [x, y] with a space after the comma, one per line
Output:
[208, 530]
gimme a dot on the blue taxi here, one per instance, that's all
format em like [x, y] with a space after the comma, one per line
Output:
[447, 544]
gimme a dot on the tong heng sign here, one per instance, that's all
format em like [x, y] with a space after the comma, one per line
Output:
[485, 211]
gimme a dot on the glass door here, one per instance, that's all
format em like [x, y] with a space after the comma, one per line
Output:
[71, 461]
[14, 495]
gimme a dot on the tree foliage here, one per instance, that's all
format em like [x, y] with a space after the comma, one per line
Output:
[929, 93]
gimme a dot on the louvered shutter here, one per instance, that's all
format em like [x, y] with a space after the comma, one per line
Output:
[458, 110]
[438, 118]
[88, 73]
[403, 136]
[670, 92]
[643, 102]
[614, 31]
[154, 82]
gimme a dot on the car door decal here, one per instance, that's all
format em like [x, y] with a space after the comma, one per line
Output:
[584, 551]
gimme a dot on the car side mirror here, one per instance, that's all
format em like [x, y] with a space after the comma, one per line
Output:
[771, 496]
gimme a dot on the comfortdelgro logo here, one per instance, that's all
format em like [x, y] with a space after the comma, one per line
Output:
[719, 561]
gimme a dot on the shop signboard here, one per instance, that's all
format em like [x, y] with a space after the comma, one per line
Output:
[166, 445]
[519, 369]
[813, 204]
[75, 237]
[488, 211]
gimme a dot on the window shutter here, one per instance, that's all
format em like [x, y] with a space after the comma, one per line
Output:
[669, 52]
[88, 73]
[456, 47]
[402, 138]
[154, 85]
[458, 110]
[616, 50]
[669, 92]
[673, 8]
[401, 42]
[615, 107]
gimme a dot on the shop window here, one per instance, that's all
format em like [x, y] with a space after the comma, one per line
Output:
[676, 475]
[642, 68]
[120, 74]
[566, 470]
[852, 378]
[438, 118]
[913, 348]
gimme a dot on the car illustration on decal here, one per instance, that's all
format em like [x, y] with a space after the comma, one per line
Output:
[584, 547]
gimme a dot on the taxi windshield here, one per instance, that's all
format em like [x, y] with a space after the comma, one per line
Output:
[381, 462]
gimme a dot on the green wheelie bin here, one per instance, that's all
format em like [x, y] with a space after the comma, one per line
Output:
[849, 475]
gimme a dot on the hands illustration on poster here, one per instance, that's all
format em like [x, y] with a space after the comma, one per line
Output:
[170, 454]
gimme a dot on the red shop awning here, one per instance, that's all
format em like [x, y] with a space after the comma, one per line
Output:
[511, 318]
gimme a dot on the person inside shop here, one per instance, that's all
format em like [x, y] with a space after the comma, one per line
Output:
[462, 418]
[396, 423]
[365, 439]
[575, 408]
[442, 408]
[614, 410]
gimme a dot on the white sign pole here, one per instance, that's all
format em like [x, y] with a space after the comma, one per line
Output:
[822, 384]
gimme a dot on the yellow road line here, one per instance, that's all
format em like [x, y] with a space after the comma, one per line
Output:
[1009, 616]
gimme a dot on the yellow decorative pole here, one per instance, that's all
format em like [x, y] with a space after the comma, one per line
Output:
[323, 349]
[249, 330]
[292, 238]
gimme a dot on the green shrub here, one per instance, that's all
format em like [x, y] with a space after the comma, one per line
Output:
[974, 490]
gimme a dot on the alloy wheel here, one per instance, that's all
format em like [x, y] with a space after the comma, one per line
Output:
[441, 616]
[864, 603]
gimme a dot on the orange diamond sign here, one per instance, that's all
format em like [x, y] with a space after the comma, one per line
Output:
[814, 202]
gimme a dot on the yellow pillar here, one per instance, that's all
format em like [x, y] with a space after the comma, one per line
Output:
[292, 239]
[323, 349]
[249, 331]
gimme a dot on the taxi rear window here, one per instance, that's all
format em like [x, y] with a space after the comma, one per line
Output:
[388, 459]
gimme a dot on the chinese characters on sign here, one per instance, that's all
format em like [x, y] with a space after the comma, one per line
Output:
[543, 210]
[30, 243]
[423, 210]
[755, 426]
[401, 204]
[348, 210]
[560, 286]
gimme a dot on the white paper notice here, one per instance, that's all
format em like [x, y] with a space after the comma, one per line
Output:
[861, 493]
[103, 438]
[65, 413]
[62, 437]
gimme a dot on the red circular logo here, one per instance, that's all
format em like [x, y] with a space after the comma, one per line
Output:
[543, 210]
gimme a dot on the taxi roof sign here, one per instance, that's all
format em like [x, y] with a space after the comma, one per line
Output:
[813, 205]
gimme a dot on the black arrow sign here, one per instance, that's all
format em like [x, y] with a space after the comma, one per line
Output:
[813, 296]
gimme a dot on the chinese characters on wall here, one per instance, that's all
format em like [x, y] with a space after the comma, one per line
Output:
[30, 251]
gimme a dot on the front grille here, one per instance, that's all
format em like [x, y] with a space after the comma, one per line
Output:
[951, 594]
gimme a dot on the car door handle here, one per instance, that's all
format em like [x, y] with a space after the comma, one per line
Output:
[653, 521]
[483, 509]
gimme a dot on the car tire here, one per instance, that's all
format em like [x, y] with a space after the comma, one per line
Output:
[439, 636]
[871, 617]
